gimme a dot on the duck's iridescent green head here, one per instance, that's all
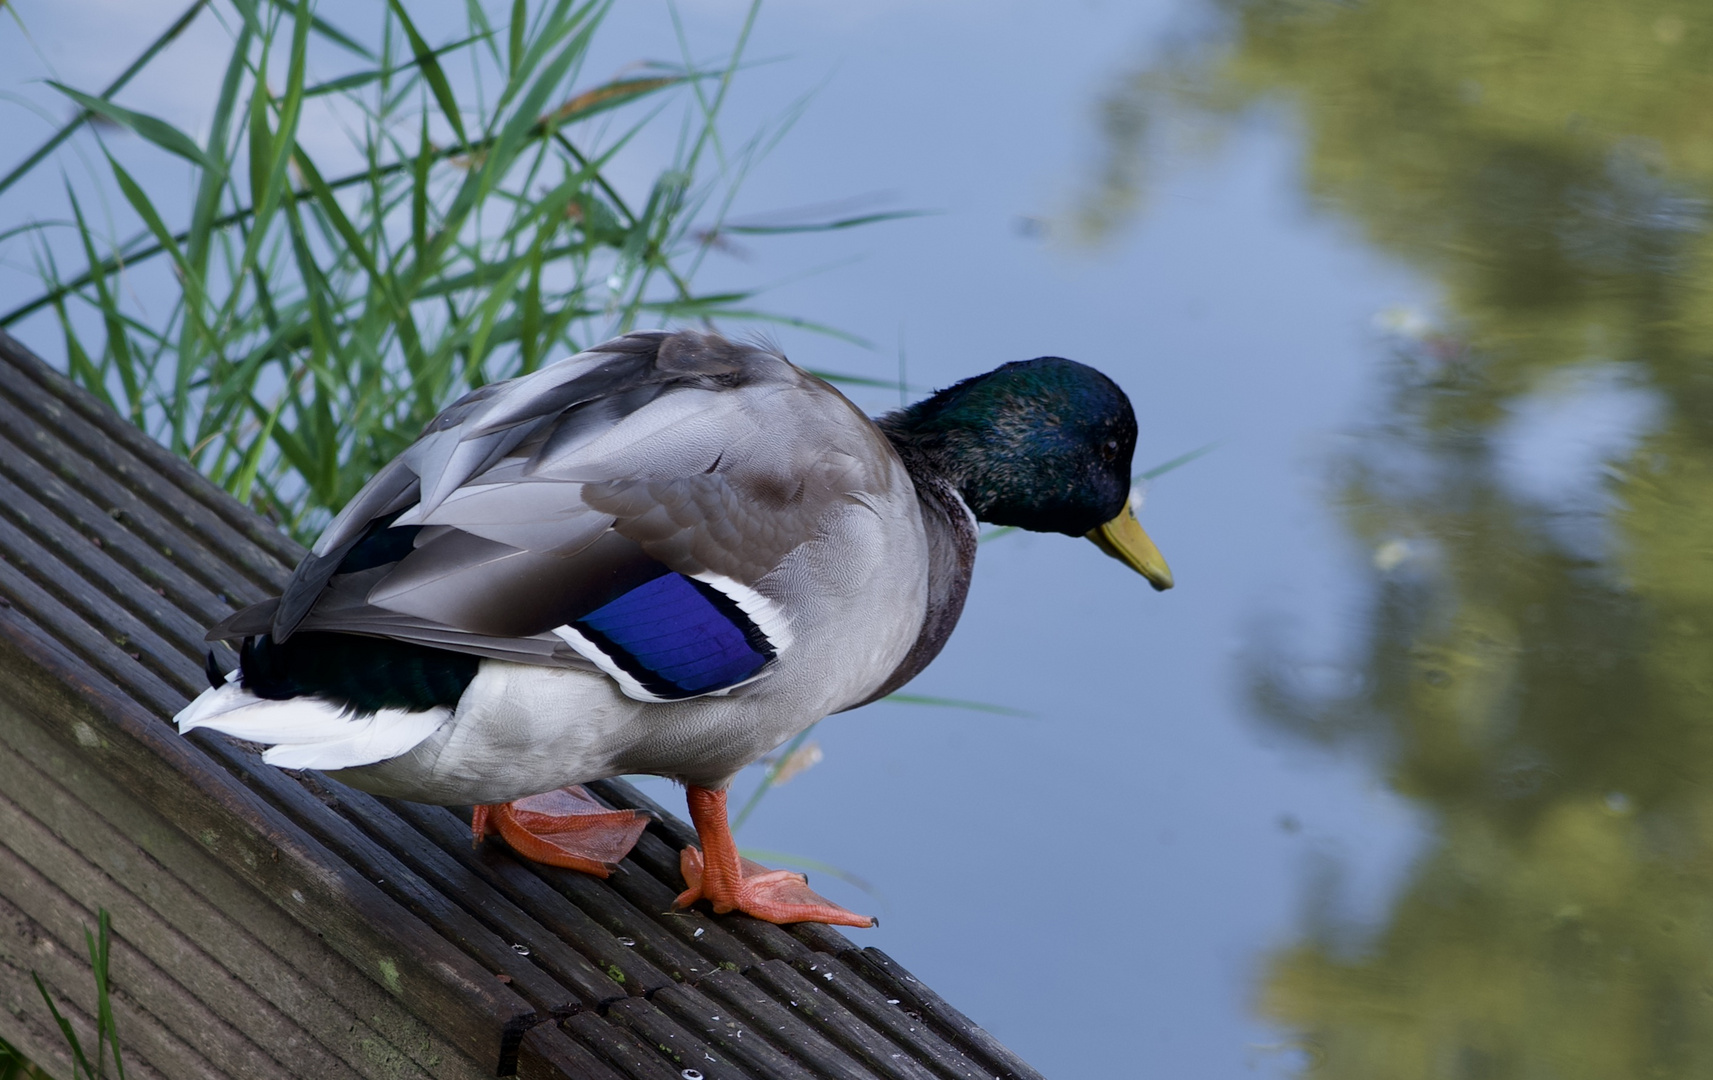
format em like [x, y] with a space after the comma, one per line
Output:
[1042, 444]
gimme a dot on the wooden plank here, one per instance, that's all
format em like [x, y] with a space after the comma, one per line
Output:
[109, 450]
[550, 1054]
[189, 993]
[485, 950]
[811, 948]
[729, 939]
[93, 606]
[87, 580]
[891, 1059]
[620, 1048]
[70, 608]
[888, 1016]
[26, 1023]
[574, 905]
[165, 549]
[117, 449]
[656, 1029]
[746, 1002]
[113, 529]
[688, 943]
[720, 1028]
[242, 930]
[441, 986]
[292, 970]
[35, 876]
[593, 969]
[58, 954]
[888, 976]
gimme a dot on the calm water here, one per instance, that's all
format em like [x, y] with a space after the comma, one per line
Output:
[1410, 776]
[1532, 671]
[1443, 283]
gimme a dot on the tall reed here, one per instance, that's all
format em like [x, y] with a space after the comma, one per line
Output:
[318, 318]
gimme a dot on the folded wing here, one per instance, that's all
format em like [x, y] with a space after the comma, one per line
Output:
[622, 509]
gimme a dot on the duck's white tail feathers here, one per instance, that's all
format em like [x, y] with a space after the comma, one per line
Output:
[309, 733]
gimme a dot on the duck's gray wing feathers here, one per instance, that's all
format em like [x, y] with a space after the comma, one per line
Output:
[623, 508]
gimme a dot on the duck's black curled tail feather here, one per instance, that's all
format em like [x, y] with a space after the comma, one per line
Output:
[211, 668]
[365, 674]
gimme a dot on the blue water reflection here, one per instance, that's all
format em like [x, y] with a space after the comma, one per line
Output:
[1531, 673]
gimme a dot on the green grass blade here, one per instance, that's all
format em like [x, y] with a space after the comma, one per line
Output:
[199, 241]
[148, 54]
[768, 778]
[1176, 463]
[612, 95]
[526, 115]
[515, 37]
[118, 342]
[432, 72]
[419, 194]
[145, 209]
[245, 478]
[822, 226]
[530, 313]
[356, 245]
[195, 331]
[359, 79]
[316, 287]
[79, 1059]
[152, 128]
[958, 703]
[765, 855]
[252, 18]
[853, 380]
[258, 213]
[36, 226]
[83, 370]
[14, 1066]
[324, 29]
[274, 188]
[261, 137]
[107, 1030]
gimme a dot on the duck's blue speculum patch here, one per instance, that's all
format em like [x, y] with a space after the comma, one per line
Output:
[678, 637]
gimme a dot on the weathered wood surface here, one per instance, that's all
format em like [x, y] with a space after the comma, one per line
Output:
[274, 924]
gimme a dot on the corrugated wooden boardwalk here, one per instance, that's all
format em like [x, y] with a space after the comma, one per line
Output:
[271, 924]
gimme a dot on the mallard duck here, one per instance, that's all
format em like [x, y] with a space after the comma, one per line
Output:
[665, 555]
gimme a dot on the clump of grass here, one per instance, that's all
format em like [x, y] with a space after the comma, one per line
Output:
[318, 317]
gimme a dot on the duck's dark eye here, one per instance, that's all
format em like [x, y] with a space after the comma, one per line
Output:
[1110, 450]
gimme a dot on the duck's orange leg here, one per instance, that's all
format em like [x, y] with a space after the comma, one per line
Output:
[565, 828]
[717, 874]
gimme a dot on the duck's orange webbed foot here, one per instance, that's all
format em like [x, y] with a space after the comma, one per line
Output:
[565, 828]
[729, 882]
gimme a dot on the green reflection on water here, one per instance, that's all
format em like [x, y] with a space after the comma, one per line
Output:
[1541, 683]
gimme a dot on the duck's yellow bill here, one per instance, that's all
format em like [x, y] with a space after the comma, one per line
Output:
[1124, 540]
